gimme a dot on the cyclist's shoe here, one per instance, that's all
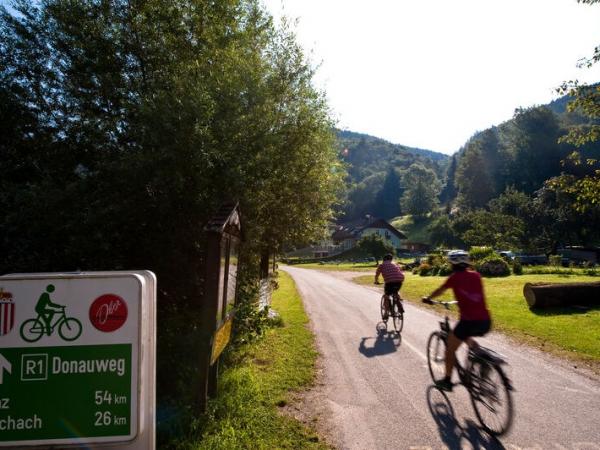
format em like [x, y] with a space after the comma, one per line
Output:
[444, 385]
[401, 307]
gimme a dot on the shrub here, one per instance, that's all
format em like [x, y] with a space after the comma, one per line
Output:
[424, 269]
[493, 267]
[555, 260]
[445, 269]
[517, 267]
[481, 253]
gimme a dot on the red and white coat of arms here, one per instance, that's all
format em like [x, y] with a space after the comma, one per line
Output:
[7, 312]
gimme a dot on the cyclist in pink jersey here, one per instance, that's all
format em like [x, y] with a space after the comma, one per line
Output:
[474, 319]
[392, 277]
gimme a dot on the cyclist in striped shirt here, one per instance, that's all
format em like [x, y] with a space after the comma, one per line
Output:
[392, 277]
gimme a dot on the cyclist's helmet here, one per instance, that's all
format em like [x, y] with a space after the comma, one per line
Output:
[456, 257]
[50, 288]
[388, 257]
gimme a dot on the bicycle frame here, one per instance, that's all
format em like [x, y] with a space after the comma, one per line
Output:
[62, 315]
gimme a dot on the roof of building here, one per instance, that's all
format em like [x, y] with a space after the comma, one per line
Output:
[354, 229]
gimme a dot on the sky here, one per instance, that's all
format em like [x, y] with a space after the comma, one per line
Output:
[430, 74]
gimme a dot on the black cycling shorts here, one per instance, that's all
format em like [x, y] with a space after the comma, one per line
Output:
[392, 288]
[468, 328]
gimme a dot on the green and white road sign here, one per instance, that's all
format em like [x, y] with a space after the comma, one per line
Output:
[77, 359]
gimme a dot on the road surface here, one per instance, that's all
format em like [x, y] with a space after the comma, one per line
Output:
[376, 391]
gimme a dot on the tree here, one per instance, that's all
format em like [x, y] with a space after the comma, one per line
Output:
[449, 191]
[531, 139]
[472, 179]
[387, 201]
[442, 233]
[586, 101]
[137, 121]
[493, 229]
[421, 191]
[374, 246]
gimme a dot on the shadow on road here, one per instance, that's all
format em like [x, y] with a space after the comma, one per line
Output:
[452, 433]
[385, 343]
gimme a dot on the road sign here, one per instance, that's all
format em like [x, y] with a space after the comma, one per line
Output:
[77, 365]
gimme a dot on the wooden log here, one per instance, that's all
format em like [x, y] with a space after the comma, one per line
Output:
[541, 295]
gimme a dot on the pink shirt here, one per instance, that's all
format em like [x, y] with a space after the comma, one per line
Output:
[390, 271]
[468, 291]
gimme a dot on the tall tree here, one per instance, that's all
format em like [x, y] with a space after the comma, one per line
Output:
[422, 188]
[450, 191]
[387, 201]
[531, 139]
[472, 179]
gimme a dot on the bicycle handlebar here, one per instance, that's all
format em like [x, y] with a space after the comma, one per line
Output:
[430, 301]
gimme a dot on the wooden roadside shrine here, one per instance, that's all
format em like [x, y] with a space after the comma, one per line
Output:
[224, 237]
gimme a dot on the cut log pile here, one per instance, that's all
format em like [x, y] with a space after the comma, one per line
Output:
[541, 295]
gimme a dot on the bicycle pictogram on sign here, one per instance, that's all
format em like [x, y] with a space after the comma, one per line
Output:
[32, 330]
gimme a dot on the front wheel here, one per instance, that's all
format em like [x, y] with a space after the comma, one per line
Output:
[436, 356]
[491, 397]
[383, 308]
[32, 330]
[70, 329]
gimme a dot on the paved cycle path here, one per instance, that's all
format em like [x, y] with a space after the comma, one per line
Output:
[376, 391]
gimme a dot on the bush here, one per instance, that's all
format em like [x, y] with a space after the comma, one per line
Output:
[493, 267]
[517, 267]
[481, 253]
[424, 270]
[444, 269]
[555, 260]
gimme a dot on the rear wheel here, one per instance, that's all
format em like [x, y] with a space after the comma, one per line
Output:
[397, 315]
[32, 330]
[491, 396]
[436, 356]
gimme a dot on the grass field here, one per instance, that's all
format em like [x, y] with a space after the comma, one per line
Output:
[571, 332]
[258, 383]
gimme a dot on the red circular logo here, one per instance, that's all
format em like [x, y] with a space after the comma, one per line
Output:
[108, 312]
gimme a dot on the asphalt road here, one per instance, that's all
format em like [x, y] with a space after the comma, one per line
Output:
[376, 390]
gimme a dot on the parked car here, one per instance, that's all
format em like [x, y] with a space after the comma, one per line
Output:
[532, 260]
[507, 254]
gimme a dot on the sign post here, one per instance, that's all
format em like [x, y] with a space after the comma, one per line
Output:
[77, 359]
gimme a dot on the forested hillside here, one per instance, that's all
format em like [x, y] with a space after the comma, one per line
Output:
[377, 170]
[513, 185]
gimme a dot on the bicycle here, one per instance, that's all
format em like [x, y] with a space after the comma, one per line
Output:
[69, 328]
[395, 309]
[482, 375]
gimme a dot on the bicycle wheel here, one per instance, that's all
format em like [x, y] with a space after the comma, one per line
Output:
[32, 330]
[397, 315]
[491, 397]
[70, 329]
[383, 309]
[436, 356]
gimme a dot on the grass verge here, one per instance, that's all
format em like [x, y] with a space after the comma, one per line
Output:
[257, 382]
[569, 332]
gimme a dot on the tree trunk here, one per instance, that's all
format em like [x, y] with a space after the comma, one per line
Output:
[540, 295]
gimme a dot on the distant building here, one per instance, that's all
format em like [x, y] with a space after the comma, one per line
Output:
[344, 236]
[348, 234]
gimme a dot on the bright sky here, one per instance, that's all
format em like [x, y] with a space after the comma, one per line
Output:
[430, 74]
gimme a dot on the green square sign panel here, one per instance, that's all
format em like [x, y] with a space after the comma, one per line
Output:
[69, 359]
